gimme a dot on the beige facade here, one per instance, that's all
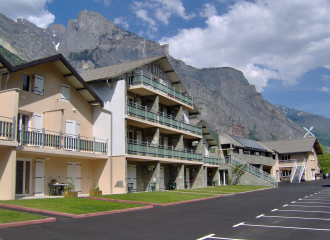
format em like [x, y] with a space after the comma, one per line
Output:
[46, 131]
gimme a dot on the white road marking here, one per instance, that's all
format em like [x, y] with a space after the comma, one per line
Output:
[285, 205]
[302, 211]
[316, 202]
[305, 206]
[297, 228]
[274, 210]
[316, 199]
[260, 215]
[211, 237]
[237, 225]
[293, 202]
[324, 219]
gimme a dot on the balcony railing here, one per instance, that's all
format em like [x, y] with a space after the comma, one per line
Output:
[211, 160]
[154, 150]
[59, 140]
[146, 113]
[7, 128]
[141, 78]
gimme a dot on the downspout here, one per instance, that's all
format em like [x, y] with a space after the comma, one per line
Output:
[8, 75]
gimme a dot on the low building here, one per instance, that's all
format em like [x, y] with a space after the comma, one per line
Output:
[297, 158]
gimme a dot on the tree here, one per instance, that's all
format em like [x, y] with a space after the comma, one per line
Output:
[324, 160]
[237, 172]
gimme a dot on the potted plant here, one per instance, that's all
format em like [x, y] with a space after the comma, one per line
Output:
[53, 181]
[69, 190]
[95, 190]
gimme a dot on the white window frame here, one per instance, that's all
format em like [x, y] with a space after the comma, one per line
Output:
[40, 80]
[30, 180]
[65, 98]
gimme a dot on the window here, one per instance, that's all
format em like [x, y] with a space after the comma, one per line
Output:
[26, 83]
[39, 85]
[285, 157]
[65, 93]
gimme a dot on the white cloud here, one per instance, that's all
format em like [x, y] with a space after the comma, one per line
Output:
[264, 39]
[33, 10]
[106, 2]
[325, 89]
[153, 12]
[121, 21]
[208, 11]
[325, 77]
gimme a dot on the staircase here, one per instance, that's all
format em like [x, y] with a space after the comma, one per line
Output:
[252, 170]
[297, 172]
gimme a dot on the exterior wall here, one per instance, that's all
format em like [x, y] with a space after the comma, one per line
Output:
[7, 173]
[56, 167]
[249, 179]
[254, 159]
[197, 172]
[101, 173]
[114, 101]
[51, 100]
[311, 164]
[9, 103]
[102, 126]
[119, 167]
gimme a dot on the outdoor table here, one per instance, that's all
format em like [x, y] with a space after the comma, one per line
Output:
[171, 185]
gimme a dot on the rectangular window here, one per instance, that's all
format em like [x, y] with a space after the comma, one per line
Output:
[65, 93]
[39, 83]
[285, 157]
[26, 83]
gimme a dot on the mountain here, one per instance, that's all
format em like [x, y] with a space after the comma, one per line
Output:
[321, 124]
[223, 95]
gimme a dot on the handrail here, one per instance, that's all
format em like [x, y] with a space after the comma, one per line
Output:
[156, 150]
[141, 78]
[58, 140]
[143, 112]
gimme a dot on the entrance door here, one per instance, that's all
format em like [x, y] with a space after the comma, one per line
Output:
[161, 179]
[39, 178]
[73, 175]
[23, 177]
[313, 174]
[131, 176]
[139, 137]
[187, 178]
[72, 129]
[36, 135]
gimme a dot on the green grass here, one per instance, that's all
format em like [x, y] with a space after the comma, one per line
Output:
[7, 216]
[72, 205]
[158, 197]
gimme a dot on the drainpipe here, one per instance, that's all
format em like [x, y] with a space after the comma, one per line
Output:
[8, 75]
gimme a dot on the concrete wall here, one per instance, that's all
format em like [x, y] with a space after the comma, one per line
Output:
[7, 173]
[119, 166]
[249, 179]
[254, 159]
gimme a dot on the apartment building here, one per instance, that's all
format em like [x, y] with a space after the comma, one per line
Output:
[46, 129]
[154, 141]
[297, 158]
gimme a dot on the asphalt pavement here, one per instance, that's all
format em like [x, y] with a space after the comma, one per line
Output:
[291, 211]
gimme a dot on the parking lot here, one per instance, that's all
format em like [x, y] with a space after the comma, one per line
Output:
[291, 211]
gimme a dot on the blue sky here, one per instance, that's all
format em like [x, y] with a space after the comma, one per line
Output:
[281, 46]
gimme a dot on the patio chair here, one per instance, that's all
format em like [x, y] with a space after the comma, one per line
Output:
[51, 188]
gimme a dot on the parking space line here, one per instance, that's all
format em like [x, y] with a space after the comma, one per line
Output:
[267, 226]
[322, 219]
[211, 237]
[315, 199]
[314, 202]
[304, 206]
[300, 211]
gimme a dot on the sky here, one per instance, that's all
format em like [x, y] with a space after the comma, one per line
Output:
[281, 46]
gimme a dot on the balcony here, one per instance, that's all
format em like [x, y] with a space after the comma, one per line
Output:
[7, 128]
[212, 161]
[154, 150]
[145, 113]
[169, 96]
[61, 141]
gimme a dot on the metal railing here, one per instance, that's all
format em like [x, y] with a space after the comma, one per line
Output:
[250, 169]
[212, 160]
[141, 78]
[155, 150]
[143, 112]
[7, 128]
[59, 140]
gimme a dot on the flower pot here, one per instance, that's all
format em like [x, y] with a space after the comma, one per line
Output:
[94, 193]
[70, 194]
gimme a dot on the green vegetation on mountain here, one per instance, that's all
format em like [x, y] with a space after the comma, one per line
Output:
[10, 57]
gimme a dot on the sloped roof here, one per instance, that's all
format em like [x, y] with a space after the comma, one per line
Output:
[64, 67]
[295, 145]
[113, 71]
[248, 143]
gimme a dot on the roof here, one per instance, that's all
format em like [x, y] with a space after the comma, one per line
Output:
[248, 143]
[64, 67]
[208, 134]
[113, 71]
[295, 145]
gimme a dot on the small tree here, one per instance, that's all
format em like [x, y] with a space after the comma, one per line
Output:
[237, 173]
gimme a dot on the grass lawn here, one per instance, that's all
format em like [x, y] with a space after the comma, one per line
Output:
[7, 216]
[224, 190]
[72, 205]
[158, 197]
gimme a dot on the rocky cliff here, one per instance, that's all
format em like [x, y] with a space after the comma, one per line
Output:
[223, 95]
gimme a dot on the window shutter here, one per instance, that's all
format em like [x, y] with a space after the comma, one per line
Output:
[39, 85]
[65, 93]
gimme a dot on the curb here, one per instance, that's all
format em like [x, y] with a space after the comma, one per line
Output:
[153, 204]
[31, 222]
[75, 215]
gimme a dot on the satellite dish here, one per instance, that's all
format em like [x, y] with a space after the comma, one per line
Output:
[308, 132]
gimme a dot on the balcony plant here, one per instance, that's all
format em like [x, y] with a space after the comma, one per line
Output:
[95, 190]
[69, 190]
[53, 181]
